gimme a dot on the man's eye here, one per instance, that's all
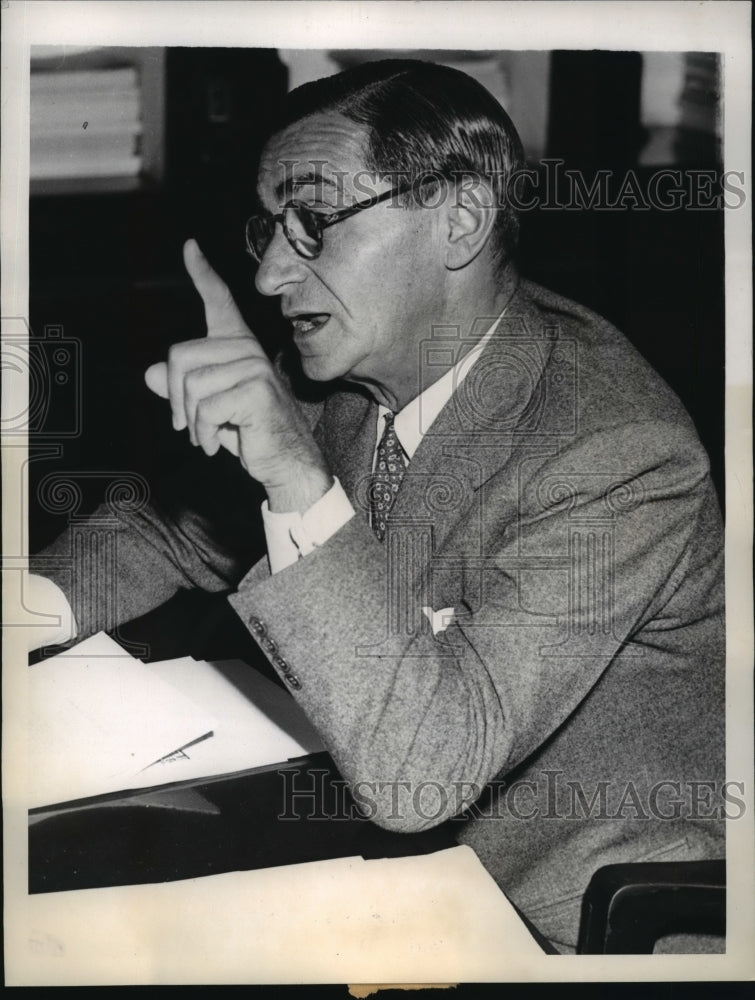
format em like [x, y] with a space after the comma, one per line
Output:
[318, 207]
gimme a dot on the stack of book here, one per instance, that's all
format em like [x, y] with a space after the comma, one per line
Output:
[85, 123]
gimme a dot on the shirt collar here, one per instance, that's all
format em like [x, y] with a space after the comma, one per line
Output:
[413, 422]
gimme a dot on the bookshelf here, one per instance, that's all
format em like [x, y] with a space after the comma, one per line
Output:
[169, 150]
[96, 119]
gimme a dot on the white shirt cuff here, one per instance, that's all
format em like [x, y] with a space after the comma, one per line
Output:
[48, 599]
[291, 536]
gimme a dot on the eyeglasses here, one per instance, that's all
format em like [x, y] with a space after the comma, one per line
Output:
[303, 226]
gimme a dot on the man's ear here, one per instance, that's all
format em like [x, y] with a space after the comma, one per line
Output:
[470, 216]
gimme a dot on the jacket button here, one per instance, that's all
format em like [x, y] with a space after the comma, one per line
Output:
[268, 644]
[257, 626]
[293, 681]
[281, 664]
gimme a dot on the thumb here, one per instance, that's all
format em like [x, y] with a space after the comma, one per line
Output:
[221, 313]
[156, 377]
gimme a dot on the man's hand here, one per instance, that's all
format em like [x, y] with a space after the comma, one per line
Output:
[224, 389]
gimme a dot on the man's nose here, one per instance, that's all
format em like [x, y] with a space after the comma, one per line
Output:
[281, 265]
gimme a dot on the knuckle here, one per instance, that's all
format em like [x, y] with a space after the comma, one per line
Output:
[178, 352]
[261, 369]
[204, 411]
[174, 353]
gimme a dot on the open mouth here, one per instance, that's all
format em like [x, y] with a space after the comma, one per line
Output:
[304, 323]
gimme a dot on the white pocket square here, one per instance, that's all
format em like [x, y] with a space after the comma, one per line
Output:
[439, 620]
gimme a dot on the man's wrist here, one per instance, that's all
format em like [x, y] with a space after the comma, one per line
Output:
[292, 536]
[300, 494]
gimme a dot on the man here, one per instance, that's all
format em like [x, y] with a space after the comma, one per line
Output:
[494, 572]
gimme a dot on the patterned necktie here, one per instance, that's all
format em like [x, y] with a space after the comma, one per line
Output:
[390, 466]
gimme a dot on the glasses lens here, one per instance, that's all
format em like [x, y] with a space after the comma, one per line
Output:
[259, 233]
[303, 230]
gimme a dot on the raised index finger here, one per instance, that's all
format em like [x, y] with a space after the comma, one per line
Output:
[221, 313]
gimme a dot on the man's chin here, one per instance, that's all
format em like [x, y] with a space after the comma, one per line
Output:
[320, 368]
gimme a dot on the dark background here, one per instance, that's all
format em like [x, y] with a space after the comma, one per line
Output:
[106, 269]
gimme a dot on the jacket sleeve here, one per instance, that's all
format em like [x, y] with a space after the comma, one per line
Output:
[134, 552]
[598, 543]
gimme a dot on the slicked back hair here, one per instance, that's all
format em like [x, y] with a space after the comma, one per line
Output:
[424, 120]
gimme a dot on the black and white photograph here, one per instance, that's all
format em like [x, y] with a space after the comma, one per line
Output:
[377, 493]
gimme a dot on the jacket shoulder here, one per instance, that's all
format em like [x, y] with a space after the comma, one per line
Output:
[614, 384]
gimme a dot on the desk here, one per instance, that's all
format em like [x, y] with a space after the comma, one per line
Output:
[254, 819]
[326, 911]
[209, 825]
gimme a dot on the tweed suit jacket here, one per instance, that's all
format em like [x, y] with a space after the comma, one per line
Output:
[559, 528]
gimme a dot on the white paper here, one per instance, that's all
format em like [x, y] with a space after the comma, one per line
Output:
[97, 717]
[437, 918]
[258, 722]
[102, 721]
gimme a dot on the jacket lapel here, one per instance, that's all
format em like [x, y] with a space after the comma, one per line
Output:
[473, 436]
[346, 433]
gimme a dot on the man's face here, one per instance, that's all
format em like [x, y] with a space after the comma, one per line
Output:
[359, 310]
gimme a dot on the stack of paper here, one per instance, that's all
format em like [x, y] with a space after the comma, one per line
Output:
[85, 123]
[101, 721]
